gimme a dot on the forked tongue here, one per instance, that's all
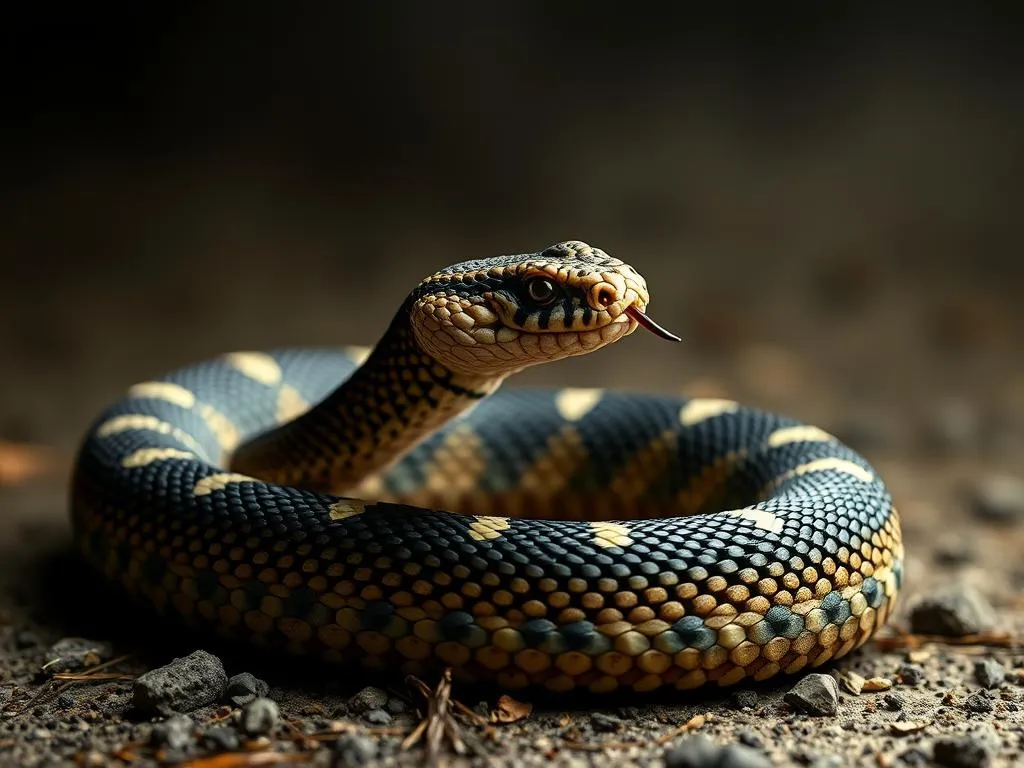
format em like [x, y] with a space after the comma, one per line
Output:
[649, 324]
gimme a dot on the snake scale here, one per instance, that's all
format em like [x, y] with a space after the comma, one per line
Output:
[385, 508]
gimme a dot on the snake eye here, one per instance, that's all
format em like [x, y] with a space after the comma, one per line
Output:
[541, 290]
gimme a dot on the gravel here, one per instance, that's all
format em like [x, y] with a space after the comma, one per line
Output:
[352, 749]
[962, 752]
[174, 733]
[989, 673]
[259, 717]
[999, 499]
[816, 695]
[953, 613]
[220, 738]
[183, 685]
[244, 688]
[368, 698]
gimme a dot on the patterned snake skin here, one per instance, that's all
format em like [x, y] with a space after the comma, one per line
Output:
[590, 539]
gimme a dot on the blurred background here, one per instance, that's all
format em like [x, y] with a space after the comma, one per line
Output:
[826, 205]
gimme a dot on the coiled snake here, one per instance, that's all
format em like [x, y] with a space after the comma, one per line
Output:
[589, 539]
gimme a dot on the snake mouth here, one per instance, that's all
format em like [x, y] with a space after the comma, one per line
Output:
[647, 323]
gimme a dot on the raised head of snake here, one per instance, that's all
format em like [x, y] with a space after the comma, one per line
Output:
[488, 319]
[456, 337]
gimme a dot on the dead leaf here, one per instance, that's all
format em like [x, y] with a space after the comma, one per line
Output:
[876, 684]
[695, 722]
[852, 682]
[909, 726]
[510, 711]
[20, 463]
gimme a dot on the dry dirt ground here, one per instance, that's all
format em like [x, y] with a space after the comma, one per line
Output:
[859, 310]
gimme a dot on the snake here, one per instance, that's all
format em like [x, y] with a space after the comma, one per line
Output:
[394, 508]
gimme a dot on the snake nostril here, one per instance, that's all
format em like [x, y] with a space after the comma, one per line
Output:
[604, 296]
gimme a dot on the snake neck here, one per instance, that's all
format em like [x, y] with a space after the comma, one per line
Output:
[394, 400]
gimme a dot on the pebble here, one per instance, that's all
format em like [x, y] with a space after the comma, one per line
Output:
[396, 706]
[181, 686]
[353, 749]
[378, 717]
[605, 722]
[816, 694]
[173, 733]
[954, 613]
[25, 639]
[989, 673]
[954, 551]
[999, 499]
[962, 752]
[915, 757]
[910, 674]
[72, 654]
[828, 761]
[259, 717]
[243, 688]
[743, 699]
[367, 699]
[700, 752]
[220, 739]
[978, 702]
[750, 739]
[894, 701]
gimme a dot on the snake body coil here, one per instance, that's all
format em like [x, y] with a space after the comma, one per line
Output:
[589, 539]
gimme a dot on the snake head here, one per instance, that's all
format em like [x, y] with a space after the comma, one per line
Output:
[496, 316]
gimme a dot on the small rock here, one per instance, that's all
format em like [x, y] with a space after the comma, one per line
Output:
[396, 706]
[72, 654]
[367, 699]
[353, 749]
[955, 613]
[989, 673]
[894, 701]
[6, 694]
[914, 757]
[954, 550]
[243, 688]
[743, 699]
[910, 674]
[181, 686]
[694, 752]
[605, 722]
[979, 703]
[259, 717]
[962, 752]
[700, 752]
[173, 733]
[816, 694]
[378, 717]
[999, 499]
[25, 639]
[735, 756]
[750, 739]
[220, 739]
[828, 761]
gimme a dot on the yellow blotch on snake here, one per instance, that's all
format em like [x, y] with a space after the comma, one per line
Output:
[166, 391]
[256, 365]
[488, 527]
[610, 535]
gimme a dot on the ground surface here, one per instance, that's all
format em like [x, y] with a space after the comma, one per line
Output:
[852, 273]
